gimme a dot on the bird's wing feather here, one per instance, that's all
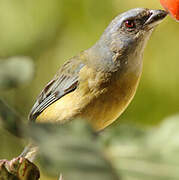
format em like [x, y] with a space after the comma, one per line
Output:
[64, 82]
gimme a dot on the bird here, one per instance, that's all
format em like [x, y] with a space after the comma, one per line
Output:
[99, 83]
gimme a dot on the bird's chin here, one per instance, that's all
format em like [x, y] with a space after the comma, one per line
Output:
[149, 29]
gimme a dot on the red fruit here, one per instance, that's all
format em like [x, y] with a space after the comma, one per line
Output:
[172, 6]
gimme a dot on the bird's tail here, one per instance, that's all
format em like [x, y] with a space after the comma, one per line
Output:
[29, 152]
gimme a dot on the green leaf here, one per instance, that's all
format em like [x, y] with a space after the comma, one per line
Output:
[10, 120]
[74, 151]
[147, 154]
[18, 169]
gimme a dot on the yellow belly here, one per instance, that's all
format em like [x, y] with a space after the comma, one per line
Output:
[99, 106]
[105, 109]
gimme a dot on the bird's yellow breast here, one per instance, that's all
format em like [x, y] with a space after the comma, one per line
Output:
[108, 106]
[98, 99]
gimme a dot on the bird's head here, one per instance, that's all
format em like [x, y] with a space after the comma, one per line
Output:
[133, 26]
[125, 37]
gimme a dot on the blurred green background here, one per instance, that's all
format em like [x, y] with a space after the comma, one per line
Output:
[51, 31]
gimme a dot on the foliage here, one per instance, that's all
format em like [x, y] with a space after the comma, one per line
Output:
[18, 169]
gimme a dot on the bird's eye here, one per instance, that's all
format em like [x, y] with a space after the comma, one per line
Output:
[130, 24]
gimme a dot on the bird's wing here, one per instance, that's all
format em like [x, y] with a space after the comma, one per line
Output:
[64, 82]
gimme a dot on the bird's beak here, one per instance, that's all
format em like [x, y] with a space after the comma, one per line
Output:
[156, 16]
